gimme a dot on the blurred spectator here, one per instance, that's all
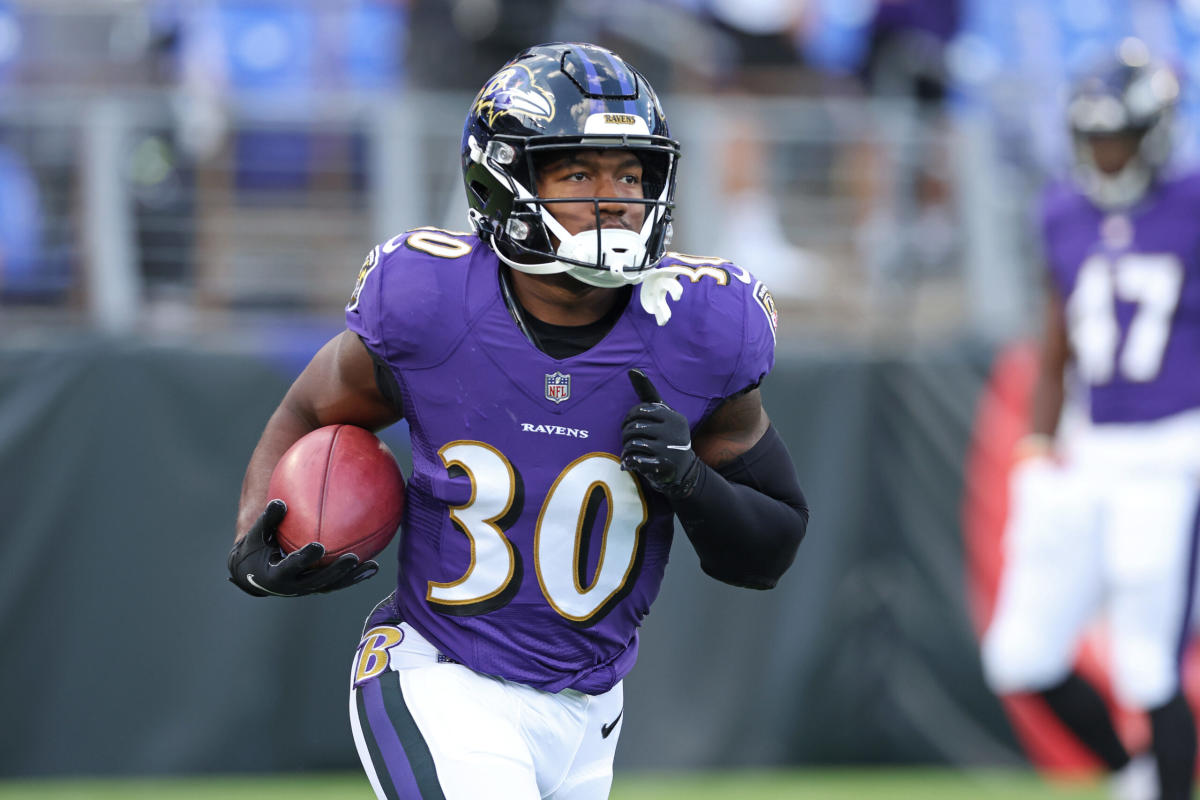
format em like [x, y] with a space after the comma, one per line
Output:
[11, 42]
[761, 43]
[760, 39]
[753, 221]
[258, 81]
[20, 231]
[24, 271]
[274, 60]
[456, 41]
[897, 50]
[906, 52]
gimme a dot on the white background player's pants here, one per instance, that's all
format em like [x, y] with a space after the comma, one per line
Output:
[427, 728]
[1112, 533]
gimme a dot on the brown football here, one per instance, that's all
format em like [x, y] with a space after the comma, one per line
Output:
[343, 489]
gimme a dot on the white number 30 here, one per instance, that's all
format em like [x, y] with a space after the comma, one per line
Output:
[561, 537]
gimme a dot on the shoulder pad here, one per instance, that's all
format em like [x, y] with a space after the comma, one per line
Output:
[410, 302]
[1060, 198]
[1183, 185]
[721, 335]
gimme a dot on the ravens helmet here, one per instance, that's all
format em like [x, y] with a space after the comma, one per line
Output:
[1130, 97]
[549, 99]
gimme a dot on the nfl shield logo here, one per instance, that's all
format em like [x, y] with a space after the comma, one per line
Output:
[558, 387]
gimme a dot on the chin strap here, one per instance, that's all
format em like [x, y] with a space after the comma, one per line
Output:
[656, 286]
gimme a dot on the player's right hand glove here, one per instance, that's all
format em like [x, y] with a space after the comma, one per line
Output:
[656, 442]
[258, 567]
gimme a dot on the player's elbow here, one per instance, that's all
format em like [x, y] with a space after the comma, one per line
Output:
[742, 580]
[762, 566]
[760, 576]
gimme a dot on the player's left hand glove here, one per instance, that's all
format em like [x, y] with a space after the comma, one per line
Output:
[656, 442]
[258, 567]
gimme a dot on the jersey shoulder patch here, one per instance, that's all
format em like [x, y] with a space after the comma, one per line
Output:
[408, 302]
[369, 264]
[721, 335]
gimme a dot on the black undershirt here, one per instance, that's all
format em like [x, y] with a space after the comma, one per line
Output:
[564, 341]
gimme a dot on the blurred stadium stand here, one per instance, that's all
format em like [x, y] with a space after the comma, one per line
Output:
[169, 165]
[193, 161]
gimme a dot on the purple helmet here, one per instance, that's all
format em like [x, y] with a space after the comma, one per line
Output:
[1129, 95]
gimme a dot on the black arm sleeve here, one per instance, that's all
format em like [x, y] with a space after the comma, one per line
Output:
[746, 520]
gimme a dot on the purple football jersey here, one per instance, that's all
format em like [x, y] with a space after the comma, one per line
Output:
[526, 551]
[1130, 284]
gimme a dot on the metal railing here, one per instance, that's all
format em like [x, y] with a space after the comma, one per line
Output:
[865, 218]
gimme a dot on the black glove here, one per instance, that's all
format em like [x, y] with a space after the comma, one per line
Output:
[257, 566]
[656, 442]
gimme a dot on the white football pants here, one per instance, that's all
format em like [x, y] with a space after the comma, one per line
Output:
[428, 728]
[1112, 532]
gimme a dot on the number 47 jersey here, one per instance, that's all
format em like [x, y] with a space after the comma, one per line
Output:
[526, 552]
[1130, 281]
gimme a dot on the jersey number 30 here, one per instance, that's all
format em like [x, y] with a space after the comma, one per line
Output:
[572, 504]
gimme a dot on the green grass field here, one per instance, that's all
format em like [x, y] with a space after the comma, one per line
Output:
[861, 784]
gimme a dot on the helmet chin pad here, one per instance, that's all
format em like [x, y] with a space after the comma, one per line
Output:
[612, 249]
[1113, 191]
[607, 258]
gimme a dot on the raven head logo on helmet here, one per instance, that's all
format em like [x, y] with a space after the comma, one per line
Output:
[514, 90]
[1120, 117]
[547, 101]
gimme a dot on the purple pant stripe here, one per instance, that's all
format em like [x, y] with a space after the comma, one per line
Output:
[1185, 632]
[388, 743]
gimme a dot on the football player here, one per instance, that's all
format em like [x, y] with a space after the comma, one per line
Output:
[570, 388]
[1112, 525]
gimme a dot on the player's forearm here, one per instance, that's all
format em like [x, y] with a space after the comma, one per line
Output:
[747, 520]
[1054, 353]
[1047, 403]
[337, 386]
[284, 428]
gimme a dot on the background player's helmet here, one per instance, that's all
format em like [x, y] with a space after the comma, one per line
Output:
[555, 97]
[1130, 96]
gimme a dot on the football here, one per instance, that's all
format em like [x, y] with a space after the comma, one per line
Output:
[343, 488]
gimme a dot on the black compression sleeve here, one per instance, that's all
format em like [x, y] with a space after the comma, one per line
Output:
[746, 519]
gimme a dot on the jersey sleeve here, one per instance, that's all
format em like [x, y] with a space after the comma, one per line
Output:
[720, 339]
[364, 310]
[408, 302]
[760, 331]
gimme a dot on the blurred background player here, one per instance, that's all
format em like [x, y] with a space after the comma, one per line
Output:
[1112, 525]
[545, 482]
